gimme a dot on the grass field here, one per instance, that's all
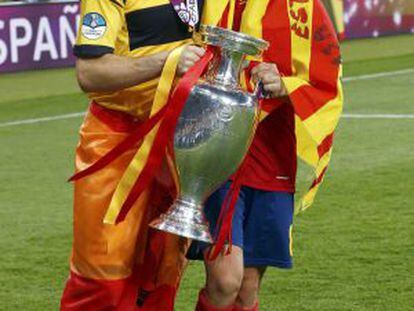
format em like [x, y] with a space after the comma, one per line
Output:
[354, 250]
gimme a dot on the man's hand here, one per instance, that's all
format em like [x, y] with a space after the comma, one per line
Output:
[189, 57]
[269, 75]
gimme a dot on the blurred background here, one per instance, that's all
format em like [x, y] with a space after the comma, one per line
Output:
[353, 250]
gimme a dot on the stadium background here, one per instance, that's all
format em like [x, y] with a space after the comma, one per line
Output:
[353, 250]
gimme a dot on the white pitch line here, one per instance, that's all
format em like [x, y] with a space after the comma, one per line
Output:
[45, 119]
[377, 116]
[80, 114]
[346, 116]
[379, 75]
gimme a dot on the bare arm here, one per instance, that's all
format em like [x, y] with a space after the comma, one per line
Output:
[110, 73]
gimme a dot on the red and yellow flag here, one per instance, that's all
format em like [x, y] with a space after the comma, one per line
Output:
[304, 45]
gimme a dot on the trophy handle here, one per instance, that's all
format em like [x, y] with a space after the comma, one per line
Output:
[260, 92]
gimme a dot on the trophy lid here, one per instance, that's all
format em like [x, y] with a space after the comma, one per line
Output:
[230, 40]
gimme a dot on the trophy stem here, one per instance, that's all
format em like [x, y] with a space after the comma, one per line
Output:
[226, 68]
[184, 218]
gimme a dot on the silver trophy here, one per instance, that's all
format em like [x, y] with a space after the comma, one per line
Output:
[214, 130]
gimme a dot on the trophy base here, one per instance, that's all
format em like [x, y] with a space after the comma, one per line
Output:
[184, 219]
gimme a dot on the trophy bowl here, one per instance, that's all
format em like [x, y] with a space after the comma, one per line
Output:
[214, 130]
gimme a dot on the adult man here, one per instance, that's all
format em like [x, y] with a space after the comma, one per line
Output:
[122, 49]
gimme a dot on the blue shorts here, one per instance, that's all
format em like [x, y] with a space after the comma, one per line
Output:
[262, 225]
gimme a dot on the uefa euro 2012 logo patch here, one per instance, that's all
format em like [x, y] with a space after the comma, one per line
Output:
[93, 26]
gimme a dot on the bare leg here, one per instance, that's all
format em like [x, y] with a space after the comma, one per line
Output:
[224, 278]
[249, 291]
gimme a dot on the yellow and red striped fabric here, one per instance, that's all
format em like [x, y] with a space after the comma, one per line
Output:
[304, 45]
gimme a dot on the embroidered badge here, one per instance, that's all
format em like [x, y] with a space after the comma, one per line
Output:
[187, 10]
[93, 26]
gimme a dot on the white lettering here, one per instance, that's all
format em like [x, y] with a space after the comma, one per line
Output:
[70, 9]
[3, 47]
[15, 40]
[44, 41]
[66, 34]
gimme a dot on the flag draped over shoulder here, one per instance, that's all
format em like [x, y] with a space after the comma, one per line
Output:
[304, 46]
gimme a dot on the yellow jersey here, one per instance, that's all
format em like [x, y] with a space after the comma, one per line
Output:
[134, 28]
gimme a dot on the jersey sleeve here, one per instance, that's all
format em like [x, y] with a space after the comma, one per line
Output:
[100, 23]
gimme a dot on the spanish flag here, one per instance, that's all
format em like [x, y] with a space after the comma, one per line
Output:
[304, 45]
[310, 62]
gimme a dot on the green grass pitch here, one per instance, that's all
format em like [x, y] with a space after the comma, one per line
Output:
[353, 250]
